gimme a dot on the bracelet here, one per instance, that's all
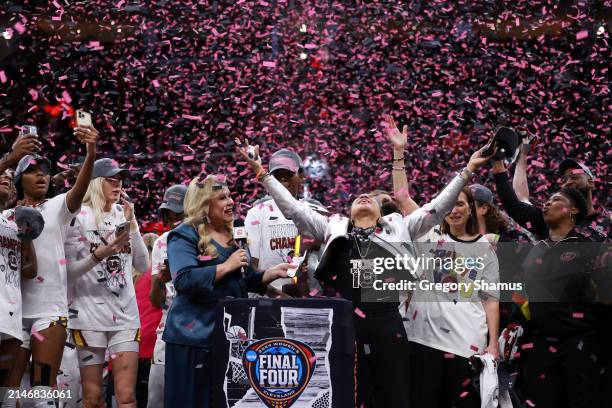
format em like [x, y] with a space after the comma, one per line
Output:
[398, 159]
[468, 173]
[399, 168]
[261, 174]
[93, 255]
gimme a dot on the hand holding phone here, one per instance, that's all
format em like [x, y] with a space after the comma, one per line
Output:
[121, 228]
[83, 118]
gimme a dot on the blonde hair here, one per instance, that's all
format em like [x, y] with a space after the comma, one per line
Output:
[94, 198]
[196, 207]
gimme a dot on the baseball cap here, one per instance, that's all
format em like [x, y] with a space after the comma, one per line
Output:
[173, 198]
[108, 168]
[285, 159]
[573, 164]
[481, 193]
[30, 160]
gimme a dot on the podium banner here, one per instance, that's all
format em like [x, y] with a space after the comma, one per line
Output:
[281, 353]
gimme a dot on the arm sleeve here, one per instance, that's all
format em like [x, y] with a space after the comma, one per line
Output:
[254, 281]
[73, 246]
[187, 275]
[527, 215]
[305, 218]
[253, 229]
[140, 254]
[431, 214]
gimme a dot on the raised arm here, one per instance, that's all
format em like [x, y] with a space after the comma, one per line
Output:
[401, 188]
[74, 197]
[527, 215]
[519, 180]
[432, 213]
[305, 218]
[24, 145]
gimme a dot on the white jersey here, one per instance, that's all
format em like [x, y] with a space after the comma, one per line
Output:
[46, 295]
[10, 278]
[452, 322]
[271, 237]
[160, 253]
[103, 298]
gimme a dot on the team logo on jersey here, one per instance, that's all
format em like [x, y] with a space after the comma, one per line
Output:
[279, 370]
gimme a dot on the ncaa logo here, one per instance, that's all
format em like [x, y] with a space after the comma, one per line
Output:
[279, 370]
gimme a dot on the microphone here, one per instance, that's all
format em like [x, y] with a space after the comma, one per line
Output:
[240, 237]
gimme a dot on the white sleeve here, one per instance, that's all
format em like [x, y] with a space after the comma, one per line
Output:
[157, 255]
[305, 218]
[64, 215]
[431, 214]
[253, 228]
[140, 254]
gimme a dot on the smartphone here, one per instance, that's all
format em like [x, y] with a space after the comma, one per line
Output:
[121, 228]
[28, 130]
[83, 118]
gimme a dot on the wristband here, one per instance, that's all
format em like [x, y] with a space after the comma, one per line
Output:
[399, 168]
[398, 159]
[93, 255]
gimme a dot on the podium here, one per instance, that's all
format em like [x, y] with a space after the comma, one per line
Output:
[281, 353]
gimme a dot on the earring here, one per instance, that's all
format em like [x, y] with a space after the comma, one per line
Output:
[206, 219]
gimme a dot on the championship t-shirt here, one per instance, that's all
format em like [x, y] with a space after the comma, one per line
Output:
[46, 295]
[160, 253]
[10, 277]
[271, 237]
[454, 322]
[103, 298]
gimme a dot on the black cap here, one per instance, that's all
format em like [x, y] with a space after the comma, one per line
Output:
[573, 164]
[108, 168]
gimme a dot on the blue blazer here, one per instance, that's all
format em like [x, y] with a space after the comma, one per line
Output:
[191, 318]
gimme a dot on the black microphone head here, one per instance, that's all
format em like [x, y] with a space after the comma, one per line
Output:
[238, 223]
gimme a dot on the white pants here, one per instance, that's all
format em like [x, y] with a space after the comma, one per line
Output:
[156, 386]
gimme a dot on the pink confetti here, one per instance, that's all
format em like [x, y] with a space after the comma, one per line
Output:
[204, 258]
[463, 394]
[581, 35]
[269, 64]
[531, 404]
[578, 315]
[552, 349]
[63, 262]
[527, 346]
[359, 313]
[2, 77]
[474, 348]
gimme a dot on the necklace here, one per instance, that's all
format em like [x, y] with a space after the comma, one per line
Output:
[359, 247]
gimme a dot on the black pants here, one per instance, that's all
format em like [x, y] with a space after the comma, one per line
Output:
[188, 377]
[440, 382]
[564, 373]
[381, 361]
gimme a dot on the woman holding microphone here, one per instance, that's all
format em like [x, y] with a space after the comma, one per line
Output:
[206, 266]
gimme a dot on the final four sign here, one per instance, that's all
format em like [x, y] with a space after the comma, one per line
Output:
[278, 370]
